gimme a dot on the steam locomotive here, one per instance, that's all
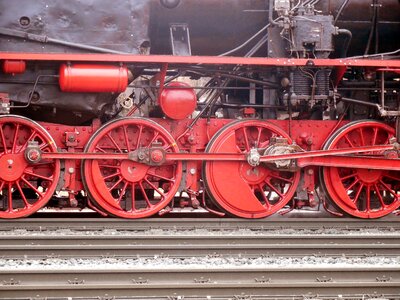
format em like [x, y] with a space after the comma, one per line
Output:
[241, 107]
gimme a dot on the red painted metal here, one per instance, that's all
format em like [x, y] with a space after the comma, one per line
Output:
[178, 103]
[14, 66]
[86, 78]
[24, 188]
[210, 60]
[364, 193]
[126, 188]
[303, 157]
[239, 188]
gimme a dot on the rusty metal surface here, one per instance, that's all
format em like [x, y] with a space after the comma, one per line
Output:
[122, 26]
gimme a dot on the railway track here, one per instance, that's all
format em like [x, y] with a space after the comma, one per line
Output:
[214, 258]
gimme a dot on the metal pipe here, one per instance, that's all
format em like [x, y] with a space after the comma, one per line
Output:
[270, 11]
[342, 7]
[349, 37]
[45, 39]
[383, 89]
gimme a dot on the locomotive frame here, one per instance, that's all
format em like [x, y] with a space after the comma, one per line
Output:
[134, 167]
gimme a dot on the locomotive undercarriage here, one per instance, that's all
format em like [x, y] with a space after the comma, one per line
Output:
[135, 166]
[131, 135]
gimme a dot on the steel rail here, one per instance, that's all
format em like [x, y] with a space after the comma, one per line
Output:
[197, 237]
[16, 247]
[202, 282]
[169, 281]
[311, 221]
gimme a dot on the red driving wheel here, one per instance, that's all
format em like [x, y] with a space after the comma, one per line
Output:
[126, 188]
[239, 188]
[363, 193]
[24, 187]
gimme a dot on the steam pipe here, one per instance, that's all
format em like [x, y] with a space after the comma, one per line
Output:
[271, 10]
[346, 45]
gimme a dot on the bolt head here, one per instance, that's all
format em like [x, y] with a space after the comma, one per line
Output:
[157, 156]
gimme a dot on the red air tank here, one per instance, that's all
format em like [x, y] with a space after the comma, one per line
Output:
[178, 100]
[93, 78]
[14, 66]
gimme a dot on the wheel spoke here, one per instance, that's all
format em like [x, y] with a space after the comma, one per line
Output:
[122, 192]
[133, 204]
[3, 139]
[43, 146]
[154, 187]
[9, 198]
[375, 136]
[266, 200]
[156, 134]
[116, 184]
[160, 177]
[357, 196]
[348, 141]
[360, 130]
[352, 185]
[389, 189]
[348, 176]
[392, 177]
[274, 189]
[259, 137]
[22, 194]
[145, 195]
[112, 175]
[32, 187]
[128, 146]
[378, 193]
[281, 178]
[139, 136]
[31, 137]
[246, 140]
[100, 149]
[368, 198]
[114, 142]
[14, 145]
[38, 176]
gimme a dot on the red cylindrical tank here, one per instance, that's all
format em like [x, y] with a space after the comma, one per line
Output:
[14, 66]
[93, 78]
[178, 100]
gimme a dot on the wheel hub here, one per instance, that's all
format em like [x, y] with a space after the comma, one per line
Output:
[253, 175]
[369, 176]
[132, 171]
[12, 167]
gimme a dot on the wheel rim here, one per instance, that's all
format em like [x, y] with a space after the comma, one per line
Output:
[362, 193]
[126, 188]
[238, 188]
[24, 188]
